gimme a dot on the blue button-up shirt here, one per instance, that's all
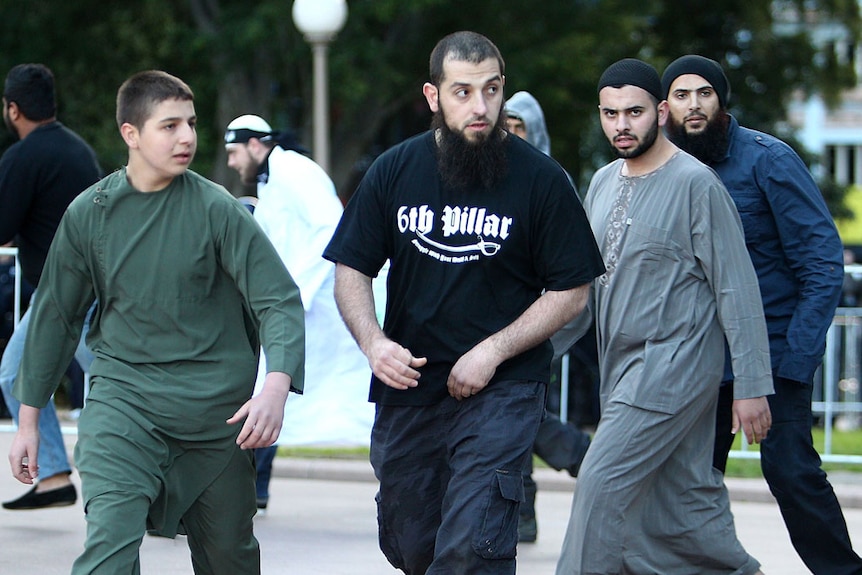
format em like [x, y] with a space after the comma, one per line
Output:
[793, 244]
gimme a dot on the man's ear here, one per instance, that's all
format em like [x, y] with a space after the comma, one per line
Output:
[431, 96]
[130, 135]
[256, 149]
[663, 111]
[12, 110]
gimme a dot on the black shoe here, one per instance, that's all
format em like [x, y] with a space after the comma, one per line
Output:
[261, 505]
[527, 529]
[575, 467]
[60, 497]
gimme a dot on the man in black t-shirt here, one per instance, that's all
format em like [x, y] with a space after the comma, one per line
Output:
[490, 253]
[40, 175]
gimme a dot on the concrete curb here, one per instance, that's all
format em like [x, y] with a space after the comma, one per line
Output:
[847, 485]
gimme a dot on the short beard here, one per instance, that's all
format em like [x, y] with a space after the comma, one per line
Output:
[10, 126]
[642, 147]
[709, 146]
[464, 164]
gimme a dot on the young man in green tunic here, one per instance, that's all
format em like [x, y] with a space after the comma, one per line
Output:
[188, 288]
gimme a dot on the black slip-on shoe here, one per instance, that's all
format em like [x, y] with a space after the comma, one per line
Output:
[527, 530]
[60, 497]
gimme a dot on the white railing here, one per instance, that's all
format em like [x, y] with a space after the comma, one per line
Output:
[836, 398]
[17, 302]
[6, 251]
[837, 385]
[836, 391]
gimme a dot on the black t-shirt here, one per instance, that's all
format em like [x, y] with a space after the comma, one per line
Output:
[463, 263]
[39, 176]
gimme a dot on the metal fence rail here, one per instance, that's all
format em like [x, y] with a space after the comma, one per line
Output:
[836, 396]
[5, 251]
[17, 301]
[837, 399]
[836, 391]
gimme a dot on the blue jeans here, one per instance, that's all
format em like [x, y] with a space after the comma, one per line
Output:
[52, 450]
[263, 457]
[808, 504]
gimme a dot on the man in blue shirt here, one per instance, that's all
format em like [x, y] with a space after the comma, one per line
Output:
[797, 255]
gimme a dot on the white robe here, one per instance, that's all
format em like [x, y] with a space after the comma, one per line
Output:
[299, 210]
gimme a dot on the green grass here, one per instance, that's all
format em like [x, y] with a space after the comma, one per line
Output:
[843, 442]
[324, 452]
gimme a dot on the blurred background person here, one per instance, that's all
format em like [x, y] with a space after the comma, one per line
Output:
[298, 209]
[560, 445]
[40, 174]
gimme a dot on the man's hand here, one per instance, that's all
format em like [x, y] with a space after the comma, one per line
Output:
[753, 417]
[472, 372]
[393, 364]
[23, 455]
[263, 413]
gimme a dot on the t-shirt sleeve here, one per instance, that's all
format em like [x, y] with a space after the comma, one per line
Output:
[566, 253]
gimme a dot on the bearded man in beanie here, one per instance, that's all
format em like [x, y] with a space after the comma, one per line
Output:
[678, 282]
[796, 251]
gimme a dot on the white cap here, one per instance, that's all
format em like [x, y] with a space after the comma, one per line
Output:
[241, 129]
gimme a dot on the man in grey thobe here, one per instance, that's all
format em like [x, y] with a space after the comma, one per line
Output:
[678, 281]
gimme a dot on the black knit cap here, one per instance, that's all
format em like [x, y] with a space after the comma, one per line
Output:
[632, 72]
[708, 69]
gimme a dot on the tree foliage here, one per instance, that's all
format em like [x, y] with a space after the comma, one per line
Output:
[247, 57]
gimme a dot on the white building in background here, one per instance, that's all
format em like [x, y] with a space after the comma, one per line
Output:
[834, 135]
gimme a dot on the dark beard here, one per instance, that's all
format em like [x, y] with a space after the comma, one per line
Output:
[645, 144]
[710, 146]
[9, 126]
[464, 164]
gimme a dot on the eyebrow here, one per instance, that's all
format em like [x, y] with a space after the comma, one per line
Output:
[495, 78]
[704, 87]
[629, 109]
[177, 119]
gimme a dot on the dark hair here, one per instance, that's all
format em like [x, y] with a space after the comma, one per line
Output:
[632, 72]
[706, 68]
[31, 87]
[464, 46]
[141, 93]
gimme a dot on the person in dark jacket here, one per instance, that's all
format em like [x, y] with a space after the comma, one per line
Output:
[797, 254]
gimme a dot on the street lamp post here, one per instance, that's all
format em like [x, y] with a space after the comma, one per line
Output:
[319, 21]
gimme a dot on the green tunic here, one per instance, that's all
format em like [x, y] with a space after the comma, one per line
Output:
[188, 288]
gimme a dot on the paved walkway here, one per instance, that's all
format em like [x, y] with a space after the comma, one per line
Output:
[321, 520]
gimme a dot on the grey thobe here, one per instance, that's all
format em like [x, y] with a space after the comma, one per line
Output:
[647, 499]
